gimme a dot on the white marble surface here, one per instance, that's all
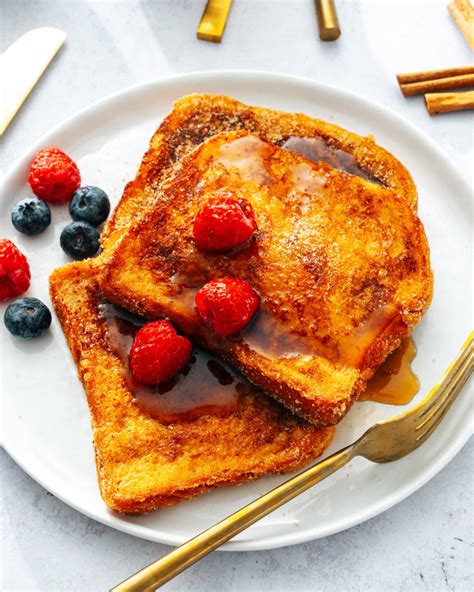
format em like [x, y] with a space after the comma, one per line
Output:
[425, 543]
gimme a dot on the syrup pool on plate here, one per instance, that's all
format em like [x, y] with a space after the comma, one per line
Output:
[394, 383]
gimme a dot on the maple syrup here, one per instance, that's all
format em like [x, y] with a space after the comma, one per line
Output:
[269, 337]
[205, 385]
[317, 150]
[353, 347]
[394, 383]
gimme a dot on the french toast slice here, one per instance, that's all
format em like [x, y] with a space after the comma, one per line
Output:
[144, 463]
[341, 265]
[195, 118]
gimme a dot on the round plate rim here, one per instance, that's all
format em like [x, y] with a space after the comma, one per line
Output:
[287, 539]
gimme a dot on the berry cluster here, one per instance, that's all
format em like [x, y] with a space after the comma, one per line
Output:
[54, 179]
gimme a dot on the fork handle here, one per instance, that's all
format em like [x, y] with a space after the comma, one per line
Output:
[161, 571]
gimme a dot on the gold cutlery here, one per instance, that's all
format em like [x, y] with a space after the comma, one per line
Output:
[21, 66]
[328, 24]
[385, 441]
[213, 20]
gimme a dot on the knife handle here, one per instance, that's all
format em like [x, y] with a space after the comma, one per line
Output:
[327, 20]
[213, 21]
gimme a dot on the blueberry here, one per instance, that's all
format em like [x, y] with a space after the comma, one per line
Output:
[31, 216]
[79, 240]
[89, 204]
[27, 318]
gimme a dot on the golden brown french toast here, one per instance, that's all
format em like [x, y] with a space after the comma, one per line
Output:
[146, 462]
[131, 478]
[341, 265]
[196, 118]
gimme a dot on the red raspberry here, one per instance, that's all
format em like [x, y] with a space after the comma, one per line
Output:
[54, 176]
[224, 223]
[227, 305]
[14, 271]
[158, 353]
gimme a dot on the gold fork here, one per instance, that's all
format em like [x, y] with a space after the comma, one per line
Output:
[383, 442]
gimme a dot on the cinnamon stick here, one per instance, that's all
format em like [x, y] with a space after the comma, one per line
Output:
[445, 102]
[434, 74]
[416, 88]
[462, 13]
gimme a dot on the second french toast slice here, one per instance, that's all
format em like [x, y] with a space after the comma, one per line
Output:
[341, 266]
[206, 428]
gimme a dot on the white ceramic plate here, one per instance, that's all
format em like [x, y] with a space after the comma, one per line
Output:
[45, 417]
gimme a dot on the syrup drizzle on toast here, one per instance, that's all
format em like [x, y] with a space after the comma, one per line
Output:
[205, 385]
[317, 150]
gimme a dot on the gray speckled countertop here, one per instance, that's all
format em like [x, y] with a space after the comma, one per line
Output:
[49, 547]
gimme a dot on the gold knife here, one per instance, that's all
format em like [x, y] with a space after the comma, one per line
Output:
[21, 66]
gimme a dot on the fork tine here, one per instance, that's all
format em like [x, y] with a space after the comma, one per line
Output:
[444, 398]
[433, 397]
[435, 418]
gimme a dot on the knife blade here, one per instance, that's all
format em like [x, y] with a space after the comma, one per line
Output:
[21, 66]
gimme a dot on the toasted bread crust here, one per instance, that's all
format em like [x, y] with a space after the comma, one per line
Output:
[195, 118]
[142, 464]
[329, 263]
